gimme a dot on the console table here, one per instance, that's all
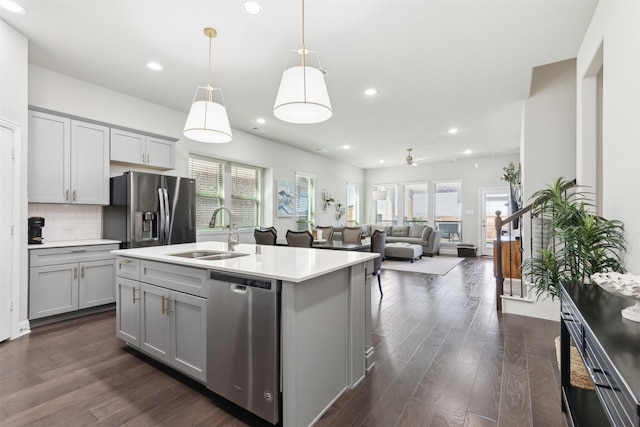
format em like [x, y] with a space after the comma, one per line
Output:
[609, 346]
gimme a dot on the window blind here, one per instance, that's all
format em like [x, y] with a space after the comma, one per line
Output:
[305, 202]
[209, 176]
[246, 188]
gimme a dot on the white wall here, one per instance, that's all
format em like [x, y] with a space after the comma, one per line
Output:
[13, 107]
[57, 92]
[548, 148]
[614, 28]
[486, 174]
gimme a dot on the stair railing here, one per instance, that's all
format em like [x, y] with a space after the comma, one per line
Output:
[499, 223]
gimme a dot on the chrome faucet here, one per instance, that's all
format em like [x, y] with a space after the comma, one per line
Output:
[233, 240]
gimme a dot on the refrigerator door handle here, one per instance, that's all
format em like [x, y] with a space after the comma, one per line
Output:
[161, 232]
[167, 224]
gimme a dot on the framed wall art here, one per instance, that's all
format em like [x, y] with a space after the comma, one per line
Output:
[284, 199]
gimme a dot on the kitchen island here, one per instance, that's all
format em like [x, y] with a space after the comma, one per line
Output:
[323, 320]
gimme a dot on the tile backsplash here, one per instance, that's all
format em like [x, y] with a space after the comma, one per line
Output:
[68, 222]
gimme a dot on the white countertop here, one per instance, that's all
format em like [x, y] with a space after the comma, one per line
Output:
[67, 243]
[275, 262]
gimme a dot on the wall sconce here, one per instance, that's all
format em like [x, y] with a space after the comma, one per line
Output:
[340, 210]
[327, 199]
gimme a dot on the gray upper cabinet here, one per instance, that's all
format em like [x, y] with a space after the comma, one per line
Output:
[134, 148]
[68, 160]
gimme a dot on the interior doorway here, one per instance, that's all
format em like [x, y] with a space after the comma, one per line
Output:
[9, 139]
[491, 200]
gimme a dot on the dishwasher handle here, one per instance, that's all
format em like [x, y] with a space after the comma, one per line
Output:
[238, 289]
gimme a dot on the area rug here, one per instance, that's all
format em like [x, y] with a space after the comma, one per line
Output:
[579, 375]
[439, 265]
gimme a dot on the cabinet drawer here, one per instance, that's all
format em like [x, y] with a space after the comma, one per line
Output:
[175, 277]
[53, 256]
[616, 398]
[573, 321]
[128, 268]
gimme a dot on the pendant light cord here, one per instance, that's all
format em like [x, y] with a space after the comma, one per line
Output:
[304, 57]
[304, 49]
[209, 91]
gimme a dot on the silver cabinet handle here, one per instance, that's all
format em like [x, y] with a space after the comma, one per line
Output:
[74, 195]
[134, 296]
[75, 273]
[76, 251]
[82, 272]
[66, 195]
[147, 158]
[125, 261]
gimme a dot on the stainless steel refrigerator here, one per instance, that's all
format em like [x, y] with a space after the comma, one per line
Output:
[150, 210]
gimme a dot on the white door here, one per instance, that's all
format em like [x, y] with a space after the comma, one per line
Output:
[7, 133]
[491, 200]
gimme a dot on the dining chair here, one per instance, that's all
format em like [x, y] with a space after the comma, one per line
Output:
[327, 232]
[300, 239]
[352, 235]
[266, 236]
[378, 240]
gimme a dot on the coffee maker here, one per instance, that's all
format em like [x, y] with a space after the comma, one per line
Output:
[35, 229]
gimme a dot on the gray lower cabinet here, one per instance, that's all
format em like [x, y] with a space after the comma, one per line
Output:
[166, 323]
[62, 280]
[128, 310]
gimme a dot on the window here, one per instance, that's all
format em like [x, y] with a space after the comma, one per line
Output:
[246, 187]
[353, 204]
[209, 176]
[415, 203]
[386, 209]
[448, 210]
[305, 201]
[217, 181]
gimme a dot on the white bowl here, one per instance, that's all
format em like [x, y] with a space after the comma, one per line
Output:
[624, 285]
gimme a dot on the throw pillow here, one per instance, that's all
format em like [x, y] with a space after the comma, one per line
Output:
[399, 231]
[426, 233]
[416, 231]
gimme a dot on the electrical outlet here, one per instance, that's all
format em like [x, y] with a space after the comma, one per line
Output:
[68, 229]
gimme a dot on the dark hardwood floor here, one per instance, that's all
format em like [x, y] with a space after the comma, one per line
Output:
[444, 357]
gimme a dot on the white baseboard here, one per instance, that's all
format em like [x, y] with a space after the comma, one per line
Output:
[24, 328]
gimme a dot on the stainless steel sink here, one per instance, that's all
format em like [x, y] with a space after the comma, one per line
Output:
[208, 255]
[226, 255]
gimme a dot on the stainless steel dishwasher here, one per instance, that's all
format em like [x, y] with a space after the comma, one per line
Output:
[243, 342]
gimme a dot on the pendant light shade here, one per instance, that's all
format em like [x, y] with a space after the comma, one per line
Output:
[208, 120]
[302, 97]
[379, 195]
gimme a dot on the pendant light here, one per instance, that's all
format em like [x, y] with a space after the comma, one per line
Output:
[302, 97]
[208, 120]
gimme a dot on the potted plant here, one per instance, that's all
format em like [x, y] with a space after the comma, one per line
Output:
[578, 243]
[512, 176]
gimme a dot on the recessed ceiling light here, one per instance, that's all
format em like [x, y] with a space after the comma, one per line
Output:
[154, 66]
[381, 161]
[346, 147]
[261, 121]
[12, 7]
[252, 8]
[468, 151]
[371, 91]
[453, 131]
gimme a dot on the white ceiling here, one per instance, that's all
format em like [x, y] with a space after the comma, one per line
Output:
[436, 64]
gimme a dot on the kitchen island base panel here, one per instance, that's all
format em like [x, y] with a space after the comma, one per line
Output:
[323, 342]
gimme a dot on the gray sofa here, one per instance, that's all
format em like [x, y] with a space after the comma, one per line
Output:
[422, 235]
